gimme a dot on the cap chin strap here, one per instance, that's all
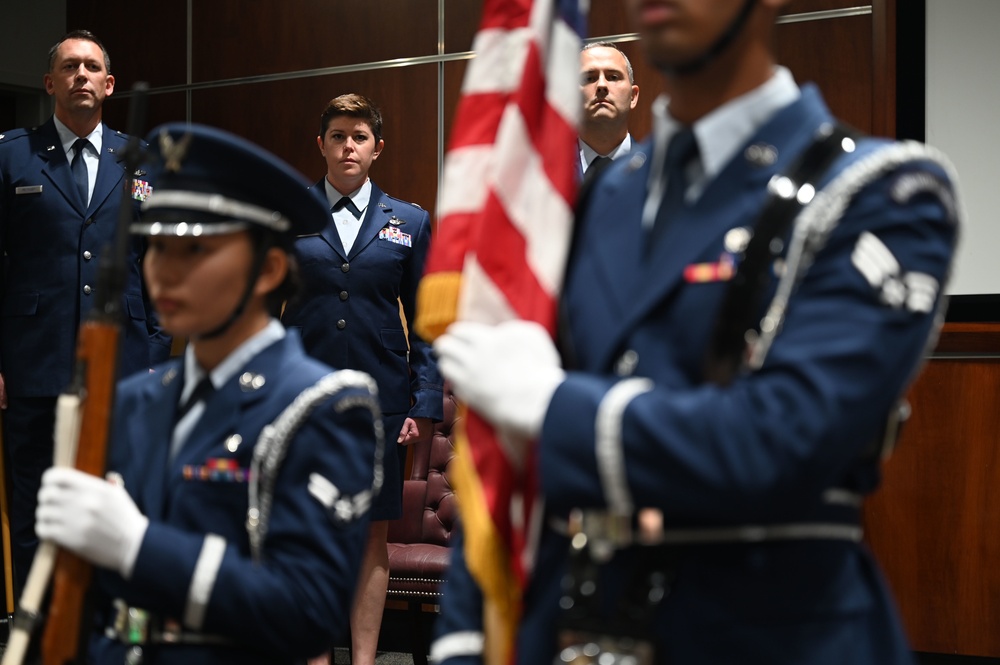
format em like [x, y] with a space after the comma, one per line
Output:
[720, 45]
[260, 254]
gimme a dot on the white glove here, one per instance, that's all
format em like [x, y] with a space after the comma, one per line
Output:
[506, 373]
[90, 517]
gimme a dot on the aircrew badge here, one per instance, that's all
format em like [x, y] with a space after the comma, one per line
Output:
[141, 190]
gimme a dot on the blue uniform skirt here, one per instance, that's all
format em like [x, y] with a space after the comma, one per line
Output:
[388, 505]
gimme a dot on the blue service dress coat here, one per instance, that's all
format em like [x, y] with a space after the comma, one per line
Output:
[288, 605]
[784, 445]
[349, 318]
[51, 244]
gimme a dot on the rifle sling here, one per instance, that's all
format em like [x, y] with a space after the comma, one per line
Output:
[741, 305]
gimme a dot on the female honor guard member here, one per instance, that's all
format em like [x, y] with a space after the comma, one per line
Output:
[756, 434]
[224, 540]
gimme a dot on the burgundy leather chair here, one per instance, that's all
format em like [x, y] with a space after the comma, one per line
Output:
[418, 540]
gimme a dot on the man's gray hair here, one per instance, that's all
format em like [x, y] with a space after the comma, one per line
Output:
[628, 63]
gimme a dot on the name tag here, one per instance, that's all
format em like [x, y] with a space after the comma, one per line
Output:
[34, 189]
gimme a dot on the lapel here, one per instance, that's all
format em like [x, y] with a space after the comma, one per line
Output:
[376, 216]
[149, 436]
[612, 235]
[329, 232]
[109, 171]
[227, 411]
[733, 198]
[55, 166]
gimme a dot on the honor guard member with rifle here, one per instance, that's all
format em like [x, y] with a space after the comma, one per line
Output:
[60, 194]
[732, 348]
[233, 527]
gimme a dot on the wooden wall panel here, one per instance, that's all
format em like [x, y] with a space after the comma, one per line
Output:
[454, 73]
[608, 17]
[160, 108]
[283, 117]
[804, 6]
[237, 38]
[845, 80]
[461, 21]
[933, 523]
[146, 42]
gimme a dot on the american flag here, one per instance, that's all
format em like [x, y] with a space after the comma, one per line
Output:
[504, 223]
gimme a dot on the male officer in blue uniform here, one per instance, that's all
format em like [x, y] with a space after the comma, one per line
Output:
[758, 472]
[360, 274]
[55, 220]
[243, 471]
[607, 83]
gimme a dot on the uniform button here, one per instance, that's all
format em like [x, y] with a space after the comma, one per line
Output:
[90, 220]
[343, 295]
[87, 255]
[627, 363]
[87, 289]
[341, 324]
[345, 267]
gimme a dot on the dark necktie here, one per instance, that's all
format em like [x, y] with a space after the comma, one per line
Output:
[599, 162]
[682, 149]
[201, 392]
[346, 202]
[79, 169]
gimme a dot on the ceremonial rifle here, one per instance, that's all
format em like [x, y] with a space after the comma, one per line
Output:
[84, 418]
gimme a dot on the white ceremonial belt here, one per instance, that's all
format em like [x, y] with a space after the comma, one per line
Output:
[762, 533]
[750, 533]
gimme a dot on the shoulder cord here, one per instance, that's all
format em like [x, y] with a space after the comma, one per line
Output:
[820, 218]
[274, 439]
[813, 228]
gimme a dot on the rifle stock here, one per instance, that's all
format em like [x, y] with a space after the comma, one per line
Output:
[98, 343]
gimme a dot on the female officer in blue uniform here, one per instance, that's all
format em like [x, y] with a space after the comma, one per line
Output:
[758, 472]
[233, 547]
[358, 269]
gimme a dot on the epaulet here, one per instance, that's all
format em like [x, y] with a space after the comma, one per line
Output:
[125, 137]
[409, 203]
[8, 136]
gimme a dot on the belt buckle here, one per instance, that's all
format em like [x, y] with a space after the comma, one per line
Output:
[172, 632]
[131, 624]
[600, 532]
[587, 648]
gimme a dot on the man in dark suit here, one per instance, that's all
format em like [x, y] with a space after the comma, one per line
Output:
[360, 276]
[735, 373]
[607, 84]
[59, 210]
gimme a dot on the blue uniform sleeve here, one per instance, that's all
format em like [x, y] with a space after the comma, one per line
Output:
[426, 384]
[854, 335]
[458, 632]
[296, 600]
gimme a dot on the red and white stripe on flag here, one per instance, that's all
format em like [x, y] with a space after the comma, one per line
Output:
[505, 219]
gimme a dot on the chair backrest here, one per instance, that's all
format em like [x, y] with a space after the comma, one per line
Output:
[429, 507]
